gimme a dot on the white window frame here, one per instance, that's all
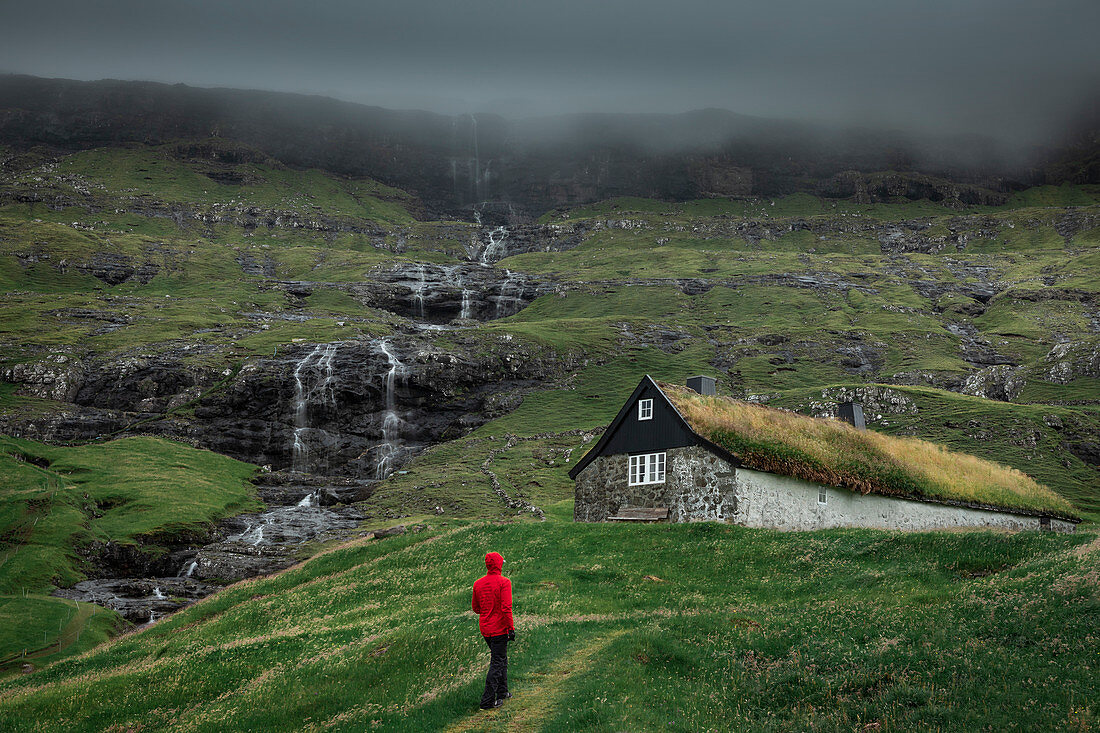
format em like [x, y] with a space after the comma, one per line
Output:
[646, 468]
[645, 409]
[822, 495]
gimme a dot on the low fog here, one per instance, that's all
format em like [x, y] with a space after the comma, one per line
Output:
[1010, 69]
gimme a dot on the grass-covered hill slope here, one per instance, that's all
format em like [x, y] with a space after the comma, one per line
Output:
[619, 628]
[61, 506]
[210, 254]
[836, 454]
[213, 256]
[180, 290]
[531, 450]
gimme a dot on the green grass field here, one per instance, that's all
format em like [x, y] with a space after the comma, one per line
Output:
[621, 628]
[682, 627]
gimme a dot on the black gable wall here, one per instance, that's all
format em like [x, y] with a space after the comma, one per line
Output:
[665, 430]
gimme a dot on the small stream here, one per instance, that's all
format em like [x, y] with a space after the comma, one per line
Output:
[300, 509]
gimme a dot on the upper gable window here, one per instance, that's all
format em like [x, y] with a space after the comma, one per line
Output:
[645, 409]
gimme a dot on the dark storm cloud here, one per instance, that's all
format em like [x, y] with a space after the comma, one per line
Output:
[1010, 68]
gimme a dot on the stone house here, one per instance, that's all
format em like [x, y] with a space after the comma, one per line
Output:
[653, 464]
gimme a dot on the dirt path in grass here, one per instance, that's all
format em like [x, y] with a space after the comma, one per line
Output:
[532, 702]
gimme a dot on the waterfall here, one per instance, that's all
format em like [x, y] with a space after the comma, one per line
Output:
[391, 423]
[309, 500]
[318, 360]
[511, 284]
[418, 291]
[254, 534]
[190, 569]
[466, 311]
[495, 247]
[158, 594]
[458, 279]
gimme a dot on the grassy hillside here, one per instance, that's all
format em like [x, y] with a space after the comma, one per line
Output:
[56, 502]
[1016, 435]
[620, 627]
[552, 429]
[213, 255]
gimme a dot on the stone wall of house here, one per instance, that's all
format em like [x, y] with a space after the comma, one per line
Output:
[781, 502]
[699, 486]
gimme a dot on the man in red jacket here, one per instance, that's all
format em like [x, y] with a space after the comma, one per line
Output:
[493, 604]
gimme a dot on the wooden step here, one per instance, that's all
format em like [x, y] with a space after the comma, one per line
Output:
[640, 514]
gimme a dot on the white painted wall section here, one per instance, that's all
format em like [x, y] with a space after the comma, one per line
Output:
[780, 502]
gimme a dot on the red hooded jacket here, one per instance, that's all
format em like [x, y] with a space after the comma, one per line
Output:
[493, 598]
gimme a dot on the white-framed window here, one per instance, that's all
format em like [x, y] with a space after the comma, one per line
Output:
[647, 468]
[822, 495]
[645, 409]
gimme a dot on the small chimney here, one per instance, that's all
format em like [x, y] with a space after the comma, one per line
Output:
[851, 413]
[702, 385]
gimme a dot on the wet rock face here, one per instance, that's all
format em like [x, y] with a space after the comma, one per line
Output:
[494, 244]
[141, 384]
[356, 408]
[442, 293]
[360, 408]
[267, 542]
[139, 600]
[284, 488]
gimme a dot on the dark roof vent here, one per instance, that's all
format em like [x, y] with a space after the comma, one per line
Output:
[702, 385]
[852, 413]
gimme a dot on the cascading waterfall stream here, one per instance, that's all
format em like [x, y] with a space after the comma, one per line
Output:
[391, 423]
[510, 292]
[497, 239]
[418, 291]
[467, 309]
[320, 361]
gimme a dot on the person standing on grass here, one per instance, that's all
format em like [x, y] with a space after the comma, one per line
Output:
[493, 604]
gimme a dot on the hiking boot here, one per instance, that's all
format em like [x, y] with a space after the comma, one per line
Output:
[505, 696]
[495, 704]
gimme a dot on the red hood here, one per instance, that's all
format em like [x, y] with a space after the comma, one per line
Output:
[494, 562]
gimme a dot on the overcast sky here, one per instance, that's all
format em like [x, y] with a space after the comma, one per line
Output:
[1003, 67]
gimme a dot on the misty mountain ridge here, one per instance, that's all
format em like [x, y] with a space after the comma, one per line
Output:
[528, 166]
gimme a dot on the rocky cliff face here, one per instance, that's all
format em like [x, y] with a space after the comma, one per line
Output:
[359, 408]
[442, 293]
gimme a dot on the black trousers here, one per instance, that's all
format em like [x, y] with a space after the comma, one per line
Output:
[496, 681]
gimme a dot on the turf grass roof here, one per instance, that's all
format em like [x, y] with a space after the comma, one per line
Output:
[835, 453]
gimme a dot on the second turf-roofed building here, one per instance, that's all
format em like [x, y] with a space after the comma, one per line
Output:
[684, 454]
